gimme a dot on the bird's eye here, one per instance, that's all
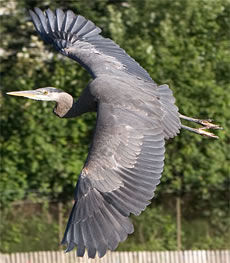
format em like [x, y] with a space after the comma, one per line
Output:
[45, 92]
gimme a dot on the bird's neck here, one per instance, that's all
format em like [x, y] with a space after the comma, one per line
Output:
[67, 108]
[64, 105]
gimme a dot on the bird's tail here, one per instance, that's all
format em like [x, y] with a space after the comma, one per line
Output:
[170, 120]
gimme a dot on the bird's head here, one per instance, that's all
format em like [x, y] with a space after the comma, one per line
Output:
[46, 94]
[64, 101]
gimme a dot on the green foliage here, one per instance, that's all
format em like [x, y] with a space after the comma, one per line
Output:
[30, 230]
[182, 43]
[154, 229]
[206, 236]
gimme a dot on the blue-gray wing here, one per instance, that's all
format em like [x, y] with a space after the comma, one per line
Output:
[135, 115]
[78, 38]
[62, 29]
[120, 176]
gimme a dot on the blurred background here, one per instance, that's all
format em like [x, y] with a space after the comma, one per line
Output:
[182, 43]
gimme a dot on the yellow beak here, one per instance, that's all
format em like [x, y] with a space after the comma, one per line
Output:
[26, 93]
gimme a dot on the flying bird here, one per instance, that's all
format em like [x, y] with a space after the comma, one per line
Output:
[134, 118]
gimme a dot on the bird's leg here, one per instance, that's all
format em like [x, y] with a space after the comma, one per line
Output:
[207, 124]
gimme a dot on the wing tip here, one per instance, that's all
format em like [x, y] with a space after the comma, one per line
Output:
[31, 12]
[37, 9]
[62, 28]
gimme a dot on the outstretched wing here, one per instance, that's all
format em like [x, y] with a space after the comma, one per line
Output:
[79, 39]
[135, 115]
[120, 175]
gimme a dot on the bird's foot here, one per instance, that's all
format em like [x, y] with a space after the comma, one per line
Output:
[207, 124]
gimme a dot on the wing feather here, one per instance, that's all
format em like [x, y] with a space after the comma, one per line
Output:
[70, 33]
[51, 19]
[171, 121]
[69, 20]
[43, 20]
[60, 17]
[78, 24]
[121, 183]
[79, 240]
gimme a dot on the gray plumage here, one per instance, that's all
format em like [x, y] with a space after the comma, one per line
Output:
[79, 39]
[126, 157]
[134, 117]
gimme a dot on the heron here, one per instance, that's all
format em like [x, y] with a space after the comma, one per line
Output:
[135, 116]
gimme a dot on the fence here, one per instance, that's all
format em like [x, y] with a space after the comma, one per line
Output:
[189, 256]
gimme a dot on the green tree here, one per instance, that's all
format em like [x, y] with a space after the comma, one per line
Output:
[182, 43]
